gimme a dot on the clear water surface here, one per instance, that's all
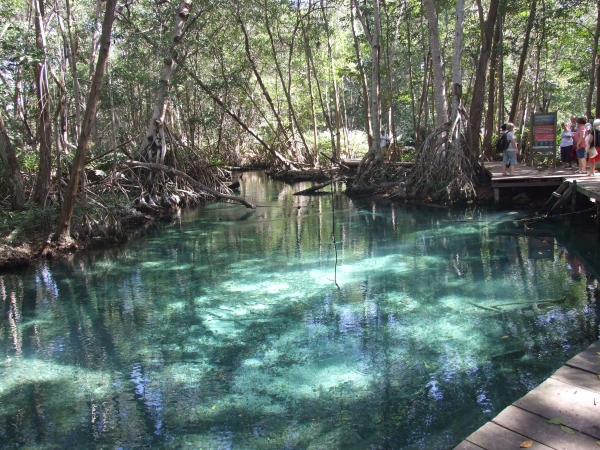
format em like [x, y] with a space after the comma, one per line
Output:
[225, 329]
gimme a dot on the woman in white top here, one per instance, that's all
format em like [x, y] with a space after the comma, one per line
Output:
[566, 145]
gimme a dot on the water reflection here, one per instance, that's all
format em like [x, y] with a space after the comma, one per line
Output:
[225, 329]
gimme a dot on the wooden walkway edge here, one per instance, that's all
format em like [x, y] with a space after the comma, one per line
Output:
[572, 394]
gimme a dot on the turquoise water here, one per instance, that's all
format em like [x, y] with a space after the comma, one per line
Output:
[235, 329]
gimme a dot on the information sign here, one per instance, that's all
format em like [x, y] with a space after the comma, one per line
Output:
[544, 131]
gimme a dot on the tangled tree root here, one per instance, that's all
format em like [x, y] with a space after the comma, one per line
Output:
[444, 171]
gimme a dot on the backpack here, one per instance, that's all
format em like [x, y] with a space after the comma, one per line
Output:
[502, 143]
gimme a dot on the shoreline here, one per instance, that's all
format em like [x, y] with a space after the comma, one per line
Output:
[35, 249]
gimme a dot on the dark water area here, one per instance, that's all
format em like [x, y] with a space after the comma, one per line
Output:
[235, 329]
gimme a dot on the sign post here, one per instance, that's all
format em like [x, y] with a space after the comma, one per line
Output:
[543, 136]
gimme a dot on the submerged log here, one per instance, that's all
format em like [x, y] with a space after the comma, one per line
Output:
[316, 187]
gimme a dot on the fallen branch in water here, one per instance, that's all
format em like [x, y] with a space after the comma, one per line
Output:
[316, 187]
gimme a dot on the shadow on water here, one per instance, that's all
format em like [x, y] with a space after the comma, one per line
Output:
[224, 328]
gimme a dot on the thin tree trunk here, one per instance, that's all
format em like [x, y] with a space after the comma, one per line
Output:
[8, 156]
[315, 154]
[598, 78]
[593, 70]
[336, 99]
[324, 106]
[286, 87]
[391, 59]
[374, 155]
[478, 97]
[93, 50]
[489, 118]
[501, 107]
[113, 126]
[64, 223]
[423, 104]
[73, 65]
[457, 63]
[517, 91]
[441, 107]
[363, 79]
[155, 138]
[415, 116]
[42, 183]
[264, 90]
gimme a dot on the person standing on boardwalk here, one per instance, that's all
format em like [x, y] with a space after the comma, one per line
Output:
[566, 145]
[509, 156]
[593, 148]
[579, 139]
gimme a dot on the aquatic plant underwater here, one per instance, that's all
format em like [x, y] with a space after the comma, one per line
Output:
[235, 329]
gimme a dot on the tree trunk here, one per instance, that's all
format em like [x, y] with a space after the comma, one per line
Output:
[517, 91]
[478, 97]
[73, 65]
[10, 162]
[336, 99]
[390, 60]
[374, 156]
[501, 107]
[280, 126]
[93, 51]
[44, 128]
[457, 63]
[489, 118]
[593, 70]
[598, 78]
[363, 80]
[410, 81]
[155, 138]
[309, 75]
[64, 225]
[286, 86]
[441, 107]
[423, 111]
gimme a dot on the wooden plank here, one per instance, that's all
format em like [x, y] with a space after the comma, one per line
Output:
[562, 199]
[579, 378]
[492, 436]
[537, 428]
[517, 183]
[466, 445]
[574, 405]
[588, 359]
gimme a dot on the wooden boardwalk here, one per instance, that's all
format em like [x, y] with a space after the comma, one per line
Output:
[572, 395]
[526, 176]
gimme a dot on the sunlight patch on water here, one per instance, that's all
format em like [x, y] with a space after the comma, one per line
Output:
[66, 380]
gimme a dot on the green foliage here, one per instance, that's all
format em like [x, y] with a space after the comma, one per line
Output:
[33, 222]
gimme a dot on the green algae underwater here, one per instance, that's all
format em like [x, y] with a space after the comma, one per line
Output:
[228, 328]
